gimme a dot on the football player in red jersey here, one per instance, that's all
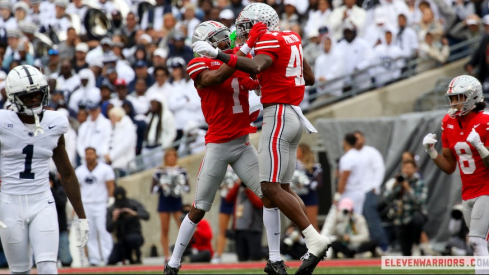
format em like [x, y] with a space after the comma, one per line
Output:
[465, 139]
[283, 74]
[224, 96]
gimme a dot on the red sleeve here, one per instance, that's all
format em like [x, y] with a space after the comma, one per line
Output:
[233, 193]
[444, 138]
[254, 199]
[268, 44]
[196, 66]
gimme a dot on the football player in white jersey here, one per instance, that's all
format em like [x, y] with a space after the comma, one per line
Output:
[29, 137]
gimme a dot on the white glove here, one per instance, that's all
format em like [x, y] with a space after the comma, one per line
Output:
[429, 142]
[475, 140]
[204, 49]
[110, 202]
[83, 232]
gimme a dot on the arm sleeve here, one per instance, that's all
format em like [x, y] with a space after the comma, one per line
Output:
[233, 194]
[195, 67]
[268, 44]
[142, 213]
[110, 175]
[346, 164]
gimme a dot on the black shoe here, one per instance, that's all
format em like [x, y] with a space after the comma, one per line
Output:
[276, 268]
[170, 270]
[309, 263]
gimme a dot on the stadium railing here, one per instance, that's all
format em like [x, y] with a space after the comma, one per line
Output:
[318, 100]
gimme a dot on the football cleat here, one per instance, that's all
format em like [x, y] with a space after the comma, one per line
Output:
[276, 268]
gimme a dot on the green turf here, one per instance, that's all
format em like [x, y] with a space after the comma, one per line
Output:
[324, 270]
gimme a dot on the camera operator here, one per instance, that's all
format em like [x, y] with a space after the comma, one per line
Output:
[123, 217]
[406, 196]
[457, 244]
[348, 231]
[293, 246]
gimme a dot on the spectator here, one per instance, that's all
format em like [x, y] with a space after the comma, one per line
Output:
[313, 48]
[66, 80]
[289, 16]
[178, 48]
[98, 52]
[141, 68]
[406, 195]
[122, 146]
[67, 48]
[170, 181]
[24, 57]
[313, 170]
[374, 33]
[138, 98]
[121, 90]
[139, 122]
[87, 92]
[159, 60]
[391, 10]
[37, 17]
[21, 10]
[348, 230]
[193, 140]
[123, 69]
[80, 62]
[352, 172]
[97, 67]
[389, 59]
[153, 18]
[97, 191]
[329, 67]
[123, 218]
[161, 88]
[129, 30]
[357, 51]
[77, 7]
[248, 222]
[53, 65]
[320, 17]
[200, 247]
[189, 19]
[349, 11]
[95, 132]
[236, 6]
[467, 29]
[372, 180]
[478, 60]
[60, 200]
[428, 24]
[161, 125]
[458, 243]
[226, 210]
[463, 9]
[433, 52]
[293, 245]
[60, 22]
[226, 17]
[9, 21]
[406, 38]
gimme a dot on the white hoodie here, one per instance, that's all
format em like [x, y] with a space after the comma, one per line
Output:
[387, 57]
[85, 94]
[168, 131]
[330, 66]
[123, 143]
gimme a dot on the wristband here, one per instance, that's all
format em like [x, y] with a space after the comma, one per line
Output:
[433, 154]
[245, 49]
[483, 152]
[232, 61]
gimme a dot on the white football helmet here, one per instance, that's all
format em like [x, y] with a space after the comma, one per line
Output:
[22, 80]
[468, 90]
[212, 32]
[253, 13]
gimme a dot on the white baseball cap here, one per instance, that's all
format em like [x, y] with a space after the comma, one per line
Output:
[161, 53]
[227, 14]
[82, 47]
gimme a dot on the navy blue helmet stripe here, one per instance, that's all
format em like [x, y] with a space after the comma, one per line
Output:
[28, 75]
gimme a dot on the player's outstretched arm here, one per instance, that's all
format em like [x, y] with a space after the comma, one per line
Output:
[258, 64]
[68, 177]
[308, 73]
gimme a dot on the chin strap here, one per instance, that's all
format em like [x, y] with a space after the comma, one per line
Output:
[38, 125]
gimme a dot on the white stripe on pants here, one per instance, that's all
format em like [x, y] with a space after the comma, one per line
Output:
[96, 215]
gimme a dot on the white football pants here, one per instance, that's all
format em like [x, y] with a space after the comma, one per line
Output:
[97, 215]
[32, 222]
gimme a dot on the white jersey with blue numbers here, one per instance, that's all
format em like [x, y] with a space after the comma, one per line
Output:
[24, 158]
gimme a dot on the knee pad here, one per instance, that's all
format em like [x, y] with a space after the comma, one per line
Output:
[47, 268]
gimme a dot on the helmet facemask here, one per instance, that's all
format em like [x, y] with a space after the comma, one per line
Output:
[467, 100]
[218, 37]
[27, 109]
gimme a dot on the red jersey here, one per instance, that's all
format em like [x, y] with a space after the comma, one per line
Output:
[475, 175]
[283, 81]
[225, 106]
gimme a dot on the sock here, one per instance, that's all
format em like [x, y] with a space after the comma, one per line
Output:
[271, 220]
[47, 268]
[185, 234]
[479, 246]
[313, 246]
